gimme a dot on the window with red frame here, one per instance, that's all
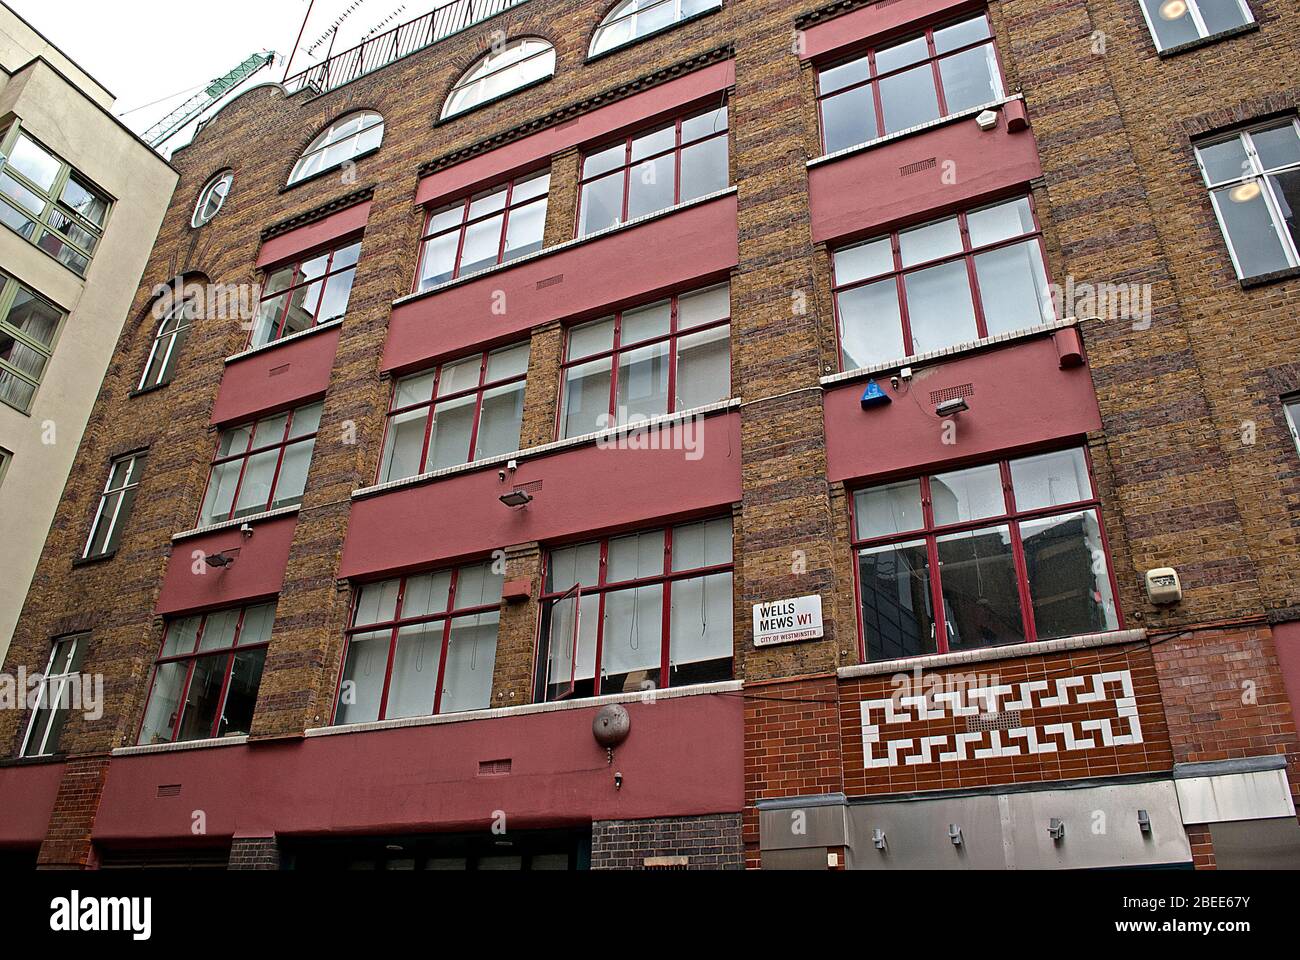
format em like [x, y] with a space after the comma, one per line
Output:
[670, 355]
[904, 83]
[455, 413]
[654, 170]
[207, 674]
[305, 294]
[977, 274]
[491, 227]
[1010, 551]
[261, 466]
[641, 611]
[421, 645]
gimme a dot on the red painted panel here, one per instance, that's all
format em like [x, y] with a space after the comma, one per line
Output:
[336, 225]
[584, 490]
[1021, 397]
[258, 570]
[861, 192]
[875, 21]
[1286, 639]
[663, 100]
[27, 798]
[276, 378]
[683, 757]
[695, 244]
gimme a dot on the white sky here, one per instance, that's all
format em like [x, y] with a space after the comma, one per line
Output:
[150, 50]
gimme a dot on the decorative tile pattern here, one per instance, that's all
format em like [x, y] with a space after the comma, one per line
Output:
[995, 700]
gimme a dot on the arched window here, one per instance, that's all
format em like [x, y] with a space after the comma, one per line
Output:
[634, 19]
[346, 138]
[517, 64]
[176, 316]
[212, 197]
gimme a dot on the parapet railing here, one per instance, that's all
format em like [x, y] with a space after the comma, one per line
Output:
[402, 41]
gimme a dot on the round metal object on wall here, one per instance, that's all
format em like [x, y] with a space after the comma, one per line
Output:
[611, 726]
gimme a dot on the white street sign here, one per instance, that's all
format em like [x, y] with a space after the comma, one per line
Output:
[787, 621]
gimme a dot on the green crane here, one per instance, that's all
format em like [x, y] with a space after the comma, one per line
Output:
[170, 125]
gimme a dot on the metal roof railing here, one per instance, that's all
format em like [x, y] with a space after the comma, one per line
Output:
[402, 41]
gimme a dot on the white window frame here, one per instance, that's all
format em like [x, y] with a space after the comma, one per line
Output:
[47, 682]
[617, 15]
[1198, 21]
[171, 336]
[329, 137]
[484, 69]
[1291, 410]
[1257, 174]
[135, 464]
[222, 181]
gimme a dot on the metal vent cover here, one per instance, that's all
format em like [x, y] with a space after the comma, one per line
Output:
[984, 722]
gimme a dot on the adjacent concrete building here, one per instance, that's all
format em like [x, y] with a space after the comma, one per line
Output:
[697, 434]
[81, 200]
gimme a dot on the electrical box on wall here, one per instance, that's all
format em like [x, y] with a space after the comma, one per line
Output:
[1163, 586]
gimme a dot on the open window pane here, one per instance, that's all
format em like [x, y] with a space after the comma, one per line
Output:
[164, 700]
[241, 696]
[1069, 580]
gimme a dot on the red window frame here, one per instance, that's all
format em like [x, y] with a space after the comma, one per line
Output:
[968, 254]
[672, 337]
[395, 625]
[435, 399]
[299, 281]
[932, 58]
[604, 586]
[194, 656]
[1012, 517]
[427, 233]
[628, 163]
[250, 451]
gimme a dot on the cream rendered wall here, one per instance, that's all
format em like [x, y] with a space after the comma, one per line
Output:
[20, 43]
[75, 127]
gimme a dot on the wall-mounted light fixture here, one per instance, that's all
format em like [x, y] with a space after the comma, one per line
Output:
[1056, 829]
[878, 838]
[516, 498]
[954, 834]
[950, 408]
[1144, 821]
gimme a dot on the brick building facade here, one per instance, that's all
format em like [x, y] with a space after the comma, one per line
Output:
[990, 346]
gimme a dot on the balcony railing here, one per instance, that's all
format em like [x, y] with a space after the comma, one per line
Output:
[402, 41]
